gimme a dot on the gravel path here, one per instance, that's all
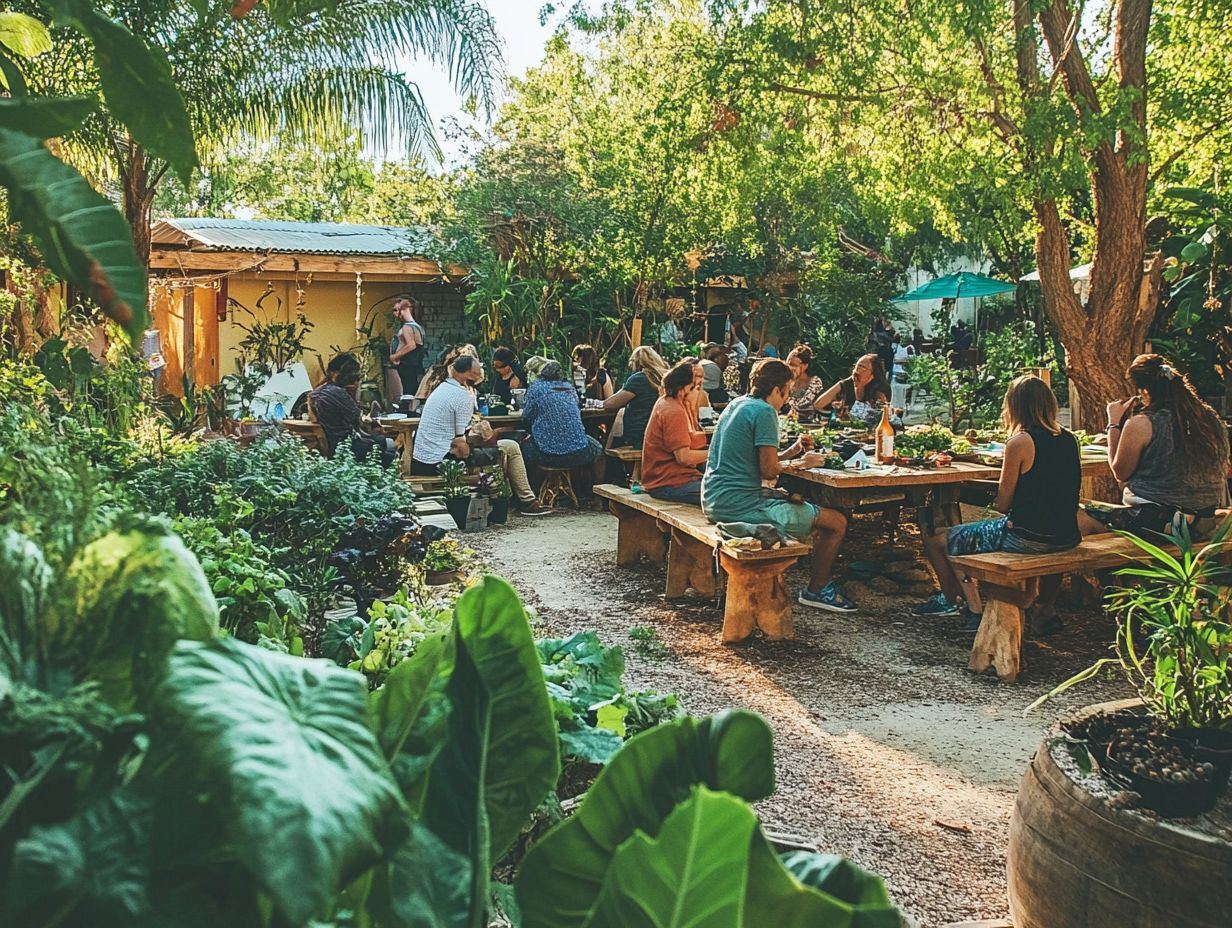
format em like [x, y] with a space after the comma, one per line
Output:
[887, 750]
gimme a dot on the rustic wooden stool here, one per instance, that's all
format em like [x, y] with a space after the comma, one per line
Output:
[556, 480]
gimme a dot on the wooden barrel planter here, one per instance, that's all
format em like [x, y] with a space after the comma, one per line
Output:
[1077, 860]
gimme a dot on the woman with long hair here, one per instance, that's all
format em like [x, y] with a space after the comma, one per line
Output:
[1169, 450]
[439, 371]
[598, 381]
[863, 393]
[508, 374]
[805, 388]
[639, 394]
[1038, 493]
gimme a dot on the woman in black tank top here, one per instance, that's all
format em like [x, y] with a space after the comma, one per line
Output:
[1040, 479]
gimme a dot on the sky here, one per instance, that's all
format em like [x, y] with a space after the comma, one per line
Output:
[523, 40]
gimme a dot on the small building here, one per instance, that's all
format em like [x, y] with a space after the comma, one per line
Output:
[208, 277]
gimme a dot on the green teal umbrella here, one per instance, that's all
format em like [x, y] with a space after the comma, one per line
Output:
[955, 286]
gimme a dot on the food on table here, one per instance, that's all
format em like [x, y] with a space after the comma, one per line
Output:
[919, 440]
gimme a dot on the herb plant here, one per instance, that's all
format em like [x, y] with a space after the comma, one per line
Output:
[1174, 640]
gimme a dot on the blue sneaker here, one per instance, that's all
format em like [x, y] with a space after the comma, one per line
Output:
[830, 598]
[938, 605]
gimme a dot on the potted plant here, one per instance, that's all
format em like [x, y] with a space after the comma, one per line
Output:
[500, 492]
[443, 562]
[1071, 837]
[457, 493]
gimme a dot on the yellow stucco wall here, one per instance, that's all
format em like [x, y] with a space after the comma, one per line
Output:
[328, 304]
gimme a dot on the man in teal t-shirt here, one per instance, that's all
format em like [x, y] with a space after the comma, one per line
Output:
[744, 452]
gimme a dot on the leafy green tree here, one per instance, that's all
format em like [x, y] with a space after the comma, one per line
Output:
[1035, 111]
[312, 182]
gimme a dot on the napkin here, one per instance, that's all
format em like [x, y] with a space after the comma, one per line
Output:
[858, 461]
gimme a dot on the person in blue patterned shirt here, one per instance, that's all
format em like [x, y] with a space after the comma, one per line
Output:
[557, 437]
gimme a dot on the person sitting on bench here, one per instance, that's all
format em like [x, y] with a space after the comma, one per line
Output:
[674, 447]
[745, 451]
[1040, 479]
[443, 426]
[1170, 451]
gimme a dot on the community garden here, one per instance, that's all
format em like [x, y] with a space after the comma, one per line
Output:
[254, 676]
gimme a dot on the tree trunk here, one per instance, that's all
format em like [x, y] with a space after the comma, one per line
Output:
[139, 186]
[1103, 337]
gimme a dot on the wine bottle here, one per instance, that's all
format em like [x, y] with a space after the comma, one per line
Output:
[885, 437]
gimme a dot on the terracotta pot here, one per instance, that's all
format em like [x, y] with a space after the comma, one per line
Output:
[441, 577]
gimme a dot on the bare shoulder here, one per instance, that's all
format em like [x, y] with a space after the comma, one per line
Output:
[1138, 428]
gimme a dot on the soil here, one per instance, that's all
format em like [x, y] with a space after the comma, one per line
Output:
[888, 750]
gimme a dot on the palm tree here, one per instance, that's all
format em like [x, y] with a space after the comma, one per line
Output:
[313, 76]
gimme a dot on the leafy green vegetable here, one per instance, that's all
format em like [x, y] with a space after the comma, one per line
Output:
[128, 598]
[593, 711]
[24, 580]
[921, 440]
[278, 748]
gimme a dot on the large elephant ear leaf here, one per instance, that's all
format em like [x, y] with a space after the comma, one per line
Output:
[639, 788]
[88, 870]
[81, 235]
[693, 873]
[816, 890]
[24, 580]
[128, 597]
[279, 749]
[410, 714]
[500, 757]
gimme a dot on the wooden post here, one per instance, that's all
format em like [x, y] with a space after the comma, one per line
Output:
[689, 564]
[756, 597]
[638, 536]
[636, 338]
[998, 643]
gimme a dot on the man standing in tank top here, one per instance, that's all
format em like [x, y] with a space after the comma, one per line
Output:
[406, 348]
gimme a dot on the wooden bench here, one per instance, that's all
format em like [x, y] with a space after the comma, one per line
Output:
[656, 529]
[1009, 584]
[627, 457]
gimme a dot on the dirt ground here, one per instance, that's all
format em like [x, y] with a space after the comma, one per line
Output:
[887, 749]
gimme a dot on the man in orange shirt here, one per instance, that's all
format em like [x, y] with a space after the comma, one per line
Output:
[674, 447]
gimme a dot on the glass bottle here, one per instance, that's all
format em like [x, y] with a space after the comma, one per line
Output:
[885, 437]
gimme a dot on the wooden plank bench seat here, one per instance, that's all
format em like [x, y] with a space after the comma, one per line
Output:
[657, 529]
[631, 458]
[1009, 584]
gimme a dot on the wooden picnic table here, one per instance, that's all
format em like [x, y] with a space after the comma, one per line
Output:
[933, 492]
[403, 430]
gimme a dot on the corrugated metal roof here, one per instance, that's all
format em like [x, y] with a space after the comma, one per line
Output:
[316, 238]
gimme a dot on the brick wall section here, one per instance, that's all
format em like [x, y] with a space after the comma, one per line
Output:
[442, 315]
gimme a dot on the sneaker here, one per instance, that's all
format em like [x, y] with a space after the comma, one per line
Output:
[970, 622]
[830, 598]
[938, 605]
[532, 509]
